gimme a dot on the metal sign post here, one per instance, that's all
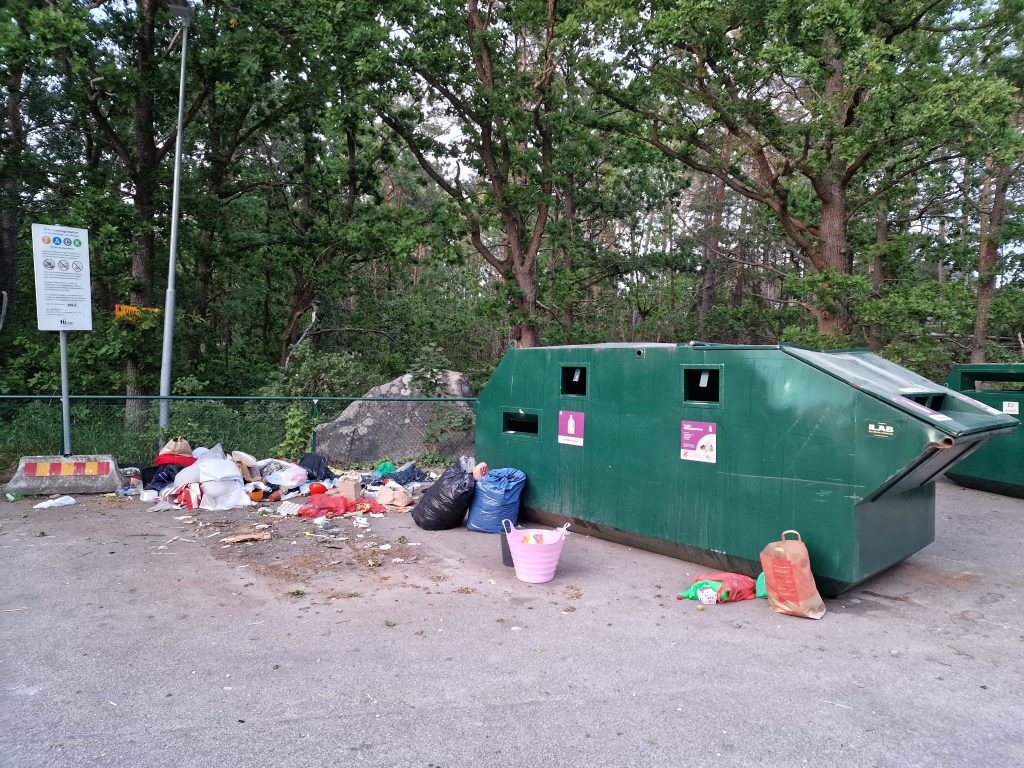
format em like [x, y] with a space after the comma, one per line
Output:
[65, 395]
[60, 258]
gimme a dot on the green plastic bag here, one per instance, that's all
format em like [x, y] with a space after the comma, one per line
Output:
[761, 590]
[691, 593]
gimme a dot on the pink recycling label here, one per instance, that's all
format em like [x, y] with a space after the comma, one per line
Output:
[699, 441]
[570, 427]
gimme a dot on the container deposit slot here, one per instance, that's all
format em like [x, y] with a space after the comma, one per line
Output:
[701, 385]
[519, 423]
[574, 380]
[933, 400]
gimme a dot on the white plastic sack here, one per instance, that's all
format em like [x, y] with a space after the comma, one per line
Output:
[63, 501]
[210, 454]
[291, 476]
[208, 469]
[248, 459]
[219, 495]
[220, 483]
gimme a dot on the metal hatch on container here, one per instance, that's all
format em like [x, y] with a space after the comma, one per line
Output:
[965, 424]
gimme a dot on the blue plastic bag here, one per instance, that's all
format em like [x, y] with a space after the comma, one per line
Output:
[496, 498]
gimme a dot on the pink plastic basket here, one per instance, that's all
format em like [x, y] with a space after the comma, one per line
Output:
[535, 563]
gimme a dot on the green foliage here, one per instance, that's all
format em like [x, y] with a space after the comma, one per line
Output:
[295, 195]
[36, 428]
[445, 419]
[807, 336]
[318, 373]
[428, 369]
[910, 311]
[298, 428]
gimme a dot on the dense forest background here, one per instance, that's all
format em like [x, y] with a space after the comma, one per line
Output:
[372, 188]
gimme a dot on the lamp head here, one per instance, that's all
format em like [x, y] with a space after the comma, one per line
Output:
[181, 9]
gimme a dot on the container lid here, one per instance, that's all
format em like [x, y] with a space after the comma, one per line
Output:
[947, 410]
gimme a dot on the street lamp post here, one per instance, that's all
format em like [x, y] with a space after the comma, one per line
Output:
[184, 12]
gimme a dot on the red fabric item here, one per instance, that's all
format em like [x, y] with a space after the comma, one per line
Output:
[738, 586]
[188, 496]
[366, 504]
[324, 506]
[173, 458]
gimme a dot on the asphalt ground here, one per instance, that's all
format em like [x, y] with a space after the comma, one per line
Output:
[129, 638]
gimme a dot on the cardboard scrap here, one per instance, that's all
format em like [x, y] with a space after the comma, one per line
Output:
[246, 534]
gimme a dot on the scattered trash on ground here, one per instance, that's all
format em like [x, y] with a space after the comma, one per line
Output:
[724, 587]
[246, 535]
[61, 501]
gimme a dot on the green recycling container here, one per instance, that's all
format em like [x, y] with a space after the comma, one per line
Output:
[997, 467]
[709, 451]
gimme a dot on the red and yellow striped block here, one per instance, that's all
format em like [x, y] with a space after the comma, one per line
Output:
[66, 468]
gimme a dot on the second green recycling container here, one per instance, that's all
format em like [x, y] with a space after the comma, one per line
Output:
[709, 451]
[998, 466]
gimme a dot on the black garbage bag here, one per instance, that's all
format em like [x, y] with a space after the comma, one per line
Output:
[443, 505]
[164, 476]
[316, 467]
[407, 475]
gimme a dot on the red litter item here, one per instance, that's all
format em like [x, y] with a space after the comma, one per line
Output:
[317, 488]
[188, 496]
[322, 505]
[173, 458]
[735, 586]
[366, 504]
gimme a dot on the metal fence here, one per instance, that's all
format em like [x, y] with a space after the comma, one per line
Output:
[128, 428]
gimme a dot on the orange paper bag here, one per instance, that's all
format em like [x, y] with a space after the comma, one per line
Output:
[788, 578]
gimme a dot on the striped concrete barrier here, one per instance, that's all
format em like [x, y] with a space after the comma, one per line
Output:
[42, 475]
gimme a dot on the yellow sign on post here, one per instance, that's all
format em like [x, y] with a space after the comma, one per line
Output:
[128, 312]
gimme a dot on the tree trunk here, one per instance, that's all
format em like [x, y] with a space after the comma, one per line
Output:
[204, 272]
[220, 159]
[144, 177]
[141, 290]
[134, 410]
[713, 240]
[10, 197]
[940, 265]
[832, 244]
[877, 269]
[10, 220]
[298, 303]
[525, 331]
[568, 311]
[988, 254]
[268, 291]
[832, 250]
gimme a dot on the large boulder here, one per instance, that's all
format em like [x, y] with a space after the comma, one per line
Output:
[366, 432]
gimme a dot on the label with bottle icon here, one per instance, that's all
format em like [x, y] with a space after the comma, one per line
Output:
[570, 427]
[699, 441]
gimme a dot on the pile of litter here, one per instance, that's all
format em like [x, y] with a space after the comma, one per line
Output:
[209, 478]
[338, 504]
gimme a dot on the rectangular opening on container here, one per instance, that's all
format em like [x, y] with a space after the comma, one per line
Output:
[933, 401]
[519, 423]
[701, 385]
[574, 380]
[999, 386]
